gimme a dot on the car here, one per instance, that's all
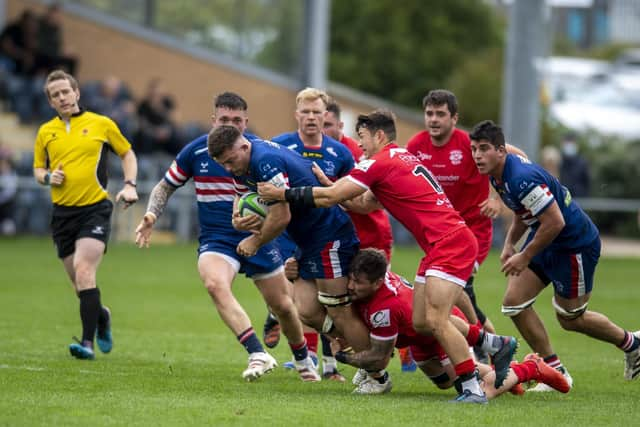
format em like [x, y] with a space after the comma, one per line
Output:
[605, 107]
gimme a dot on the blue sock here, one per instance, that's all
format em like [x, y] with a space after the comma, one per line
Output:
[299, 351]
[250, 341]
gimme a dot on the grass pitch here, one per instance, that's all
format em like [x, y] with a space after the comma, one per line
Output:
[175, 363]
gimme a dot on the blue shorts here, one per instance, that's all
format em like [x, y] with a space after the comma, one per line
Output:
[286, 246]
[571, 272]
[329, 260]
[266, 261]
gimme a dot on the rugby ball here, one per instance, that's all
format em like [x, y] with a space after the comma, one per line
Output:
[252, 204]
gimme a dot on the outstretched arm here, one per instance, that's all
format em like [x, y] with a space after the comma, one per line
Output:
[375, 358]
[157, 202]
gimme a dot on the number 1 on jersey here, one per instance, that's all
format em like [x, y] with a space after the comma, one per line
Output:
[420, 170]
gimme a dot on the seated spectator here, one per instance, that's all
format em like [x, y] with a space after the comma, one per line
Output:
[19, 44]
[157, 130]
[51, 48]
[8, 192]
[112, 98]
[23, 69]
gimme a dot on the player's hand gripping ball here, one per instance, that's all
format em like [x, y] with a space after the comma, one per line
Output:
[252, 204]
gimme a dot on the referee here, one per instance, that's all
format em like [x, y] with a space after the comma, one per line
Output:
[70, 155]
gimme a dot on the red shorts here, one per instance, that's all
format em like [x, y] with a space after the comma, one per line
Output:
[483, 230]
[451, 258]
[422, 353]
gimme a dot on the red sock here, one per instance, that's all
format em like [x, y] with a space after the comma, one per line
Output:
[312, 341]
[525, 371]
[466, 367]
[473, 335]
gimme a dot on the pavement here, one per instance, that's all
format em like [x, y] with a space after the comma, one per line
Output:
[619, 247]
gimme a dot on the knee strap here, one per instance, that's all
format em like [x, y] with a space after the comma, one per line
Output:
[331, 300]
[569, 314]
[514, 310]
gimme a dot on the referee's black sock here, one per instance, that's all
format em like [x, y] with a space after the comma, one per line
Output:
[90, 309]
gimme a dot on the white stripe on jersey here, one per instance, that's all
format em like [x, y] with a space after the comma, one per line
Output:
[215, 185]
[355, 181]
[179, 179]
[215, 198]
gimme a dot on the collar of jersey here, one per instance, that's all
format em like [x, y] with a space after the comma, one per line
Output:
[82, 110]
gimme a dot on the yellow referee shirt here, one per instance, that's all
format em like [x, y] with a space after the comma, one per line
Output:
[81, 146]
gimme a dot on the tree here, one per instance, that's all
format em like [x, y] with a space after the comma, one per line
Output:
[400, 49]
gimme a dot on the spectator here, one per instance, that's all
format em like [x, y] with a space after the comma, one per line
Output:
[550, 159]
[157, 131]
[112, 98]
[51, 49]
[8, 192]
[19, 44]
[574, 169]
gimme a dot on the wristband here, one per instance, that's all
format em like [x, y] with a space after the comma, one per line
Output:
[131, 183]
[47, 179]
[341, 357]
[300, 197]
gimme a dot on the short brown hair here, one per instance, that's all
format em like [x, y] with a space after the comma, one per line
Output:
[378, 120]
[370, 263]
[439, 97]
[221, 139]
[60, 75]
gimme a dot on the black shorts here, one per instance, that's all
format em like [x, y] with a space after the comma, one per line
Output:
[70, 223]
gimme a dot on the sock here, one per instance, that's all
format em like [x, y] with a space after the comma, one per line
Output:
[381, 376]
[469, 381]
[90, 309]
[466, 367]
[326, 346]
[474, 334]
[103, 318]
[525, 371]
[405, 355]
[312, 341]
[554, 362]
[300, 351]
[250, 341]
[489, 342]
[629, 343]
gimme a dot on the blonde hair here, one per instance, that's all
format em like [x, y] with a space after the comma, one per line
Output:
[311, 94]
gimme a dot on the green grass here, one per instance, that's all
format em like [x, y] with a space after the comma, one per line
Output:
[175, 363]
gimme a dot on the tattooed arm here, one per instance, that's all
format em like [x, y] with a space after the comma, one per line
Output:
[157, 202]
[375, 358]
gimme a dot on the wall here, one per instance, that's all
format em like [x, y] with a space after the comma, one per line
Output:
[194, 82]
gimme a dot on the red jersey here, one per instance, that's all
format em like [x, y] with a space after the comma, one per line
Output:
[388, 314]
[373, 229]
[453, 166]
[406, 188]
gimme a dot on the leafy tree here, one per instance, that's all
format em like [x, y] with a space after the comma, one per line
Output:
[401, 49]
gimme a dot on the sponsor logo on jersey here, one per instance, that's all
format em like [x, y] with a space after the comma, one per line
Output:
[381, 319]
[204, 167]
[280, 180]
[537, 199]
[423, 156]
[329, 167]
[365, 165]
[312, 155]
[455, 156]
[331, 151]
